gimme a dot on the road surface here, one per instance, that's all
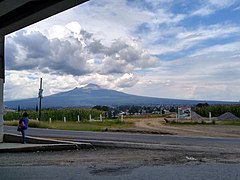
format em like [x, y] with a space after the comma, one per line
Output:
[122, 163]
[213, 172]
[78, 136]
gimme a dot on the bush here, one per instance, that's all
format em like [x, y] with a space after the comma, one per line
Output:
[218, 110]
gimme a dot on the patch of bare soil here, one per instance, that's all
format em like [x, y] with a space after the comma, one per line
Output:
[158, 126]
[102, 158]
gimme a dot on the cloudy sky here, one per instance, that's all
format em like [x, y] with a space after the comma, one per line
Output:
[186, 49]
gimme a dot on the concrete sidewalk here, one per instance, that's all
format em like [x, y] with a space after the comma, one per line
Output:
[12, 143]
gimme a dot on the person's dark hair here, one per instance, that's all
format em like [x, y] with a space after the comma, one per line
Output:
[25, 114]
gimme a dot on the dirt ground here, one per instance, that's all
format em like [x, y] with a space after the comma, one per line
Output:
[101, 158]
[158, 126]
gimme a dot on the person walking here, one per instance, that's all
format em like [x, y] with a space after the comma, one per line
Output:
[22, 126]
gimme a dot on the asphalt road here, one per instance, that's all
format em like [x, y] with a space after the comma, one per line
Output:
[125, 163]
[226, 143]
[188, 172]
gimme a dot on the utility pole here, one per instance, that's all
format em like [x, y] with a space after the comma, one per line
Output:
[40, 96]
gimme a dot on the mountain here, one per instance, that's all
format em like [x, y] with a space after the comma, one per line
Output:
[92, 95]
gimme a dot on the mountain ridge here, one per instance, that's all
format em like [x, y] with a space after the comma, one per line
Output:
[92, 94]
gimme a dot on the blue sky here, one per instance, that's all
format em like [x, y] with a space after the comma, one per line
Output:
[185, 49]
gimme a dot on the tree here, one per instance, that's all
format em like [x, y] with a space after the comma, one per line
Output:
[19, 109]
[173, 109]
[202, 105]
[101, 108]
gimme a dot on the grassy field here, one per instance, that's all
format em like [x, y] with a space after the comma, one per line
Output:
[116, 124]
[231, 123]
[78, 126]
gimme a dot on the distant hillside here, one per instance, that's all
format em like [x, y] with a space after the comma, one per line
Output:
[92, 95]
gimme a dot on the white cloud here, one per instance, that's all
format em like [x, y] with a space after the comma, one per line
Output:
[74, 27]
[203, 11]
[19, 85]
[111, 43]
[186, 38]
[222, 3]
[224, 49]
[212, 74]
[211, 6]
[25, 84]
[69, 56]
[74, 53]
[237, 8]
[127, 80]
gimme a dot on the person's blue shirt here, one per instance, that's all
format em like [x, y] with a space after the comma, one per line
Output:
[24, 122]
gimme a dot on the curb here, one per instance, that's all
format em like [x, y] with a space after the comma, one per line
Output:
[40, 144]
[43, 147]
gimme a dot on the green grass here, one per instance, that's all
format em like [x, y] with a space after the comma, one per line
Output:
[101, 126]
[230, 123]
[31, 123]
[77, 126]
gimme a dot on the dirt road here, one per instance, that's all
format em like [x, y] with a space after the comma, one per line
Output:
[158, 125]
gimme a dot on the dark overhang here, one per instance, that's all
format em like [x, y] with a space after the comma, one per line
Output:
[17, 14]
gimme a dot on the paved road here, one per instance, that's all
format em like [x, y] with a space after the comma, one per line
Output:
[84, 166]
[130, 137]
[188, 172]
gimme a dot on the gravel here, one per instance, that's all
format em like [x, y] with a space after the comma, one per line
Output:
[228, 116]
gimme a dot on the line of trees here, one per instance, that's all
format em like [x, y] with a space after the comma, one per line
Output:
[72, 114]
[57, 114]
[217, 110]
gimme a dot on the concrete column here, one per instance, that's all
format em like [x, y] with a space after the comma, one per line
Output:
[2, 73]
[1, 110]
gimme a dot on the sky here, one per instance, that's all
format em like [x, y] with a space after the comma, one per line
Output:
[182, 49]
